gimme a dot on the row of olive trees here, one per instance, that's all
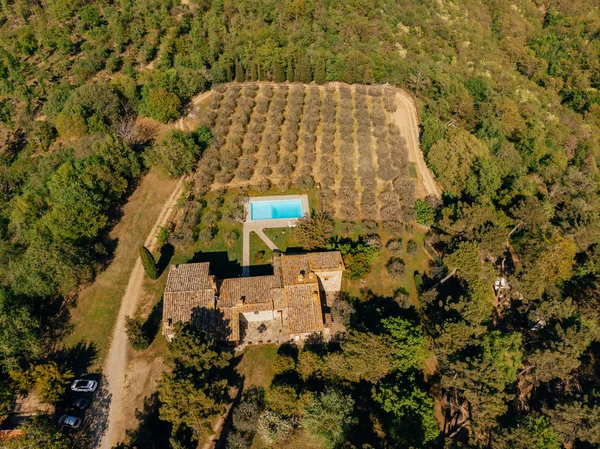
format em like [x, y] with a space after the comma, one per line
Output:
[328, 162]
[349, 184]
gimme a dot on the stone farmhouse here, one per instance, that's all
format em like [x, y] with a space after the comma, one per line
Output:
[278, 308]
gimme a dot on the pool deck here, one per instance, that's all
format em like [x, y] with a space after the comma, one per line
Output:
[258, 225]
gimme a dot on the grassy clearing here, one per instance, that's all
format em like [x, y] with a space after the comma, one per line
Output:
[97, 307]
[283, 238]
[256, 365]
[379, 281]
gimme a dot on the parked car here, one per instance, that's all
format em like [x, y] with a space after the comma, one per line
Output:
[71, 422]
[84, 386]
[80, 403]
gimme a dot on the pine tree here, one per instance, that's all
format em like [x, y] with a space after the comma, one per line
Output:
[148, 262]
[320, 75]
[289, 73]
[135, 332]
[278, 75]
[240, 76]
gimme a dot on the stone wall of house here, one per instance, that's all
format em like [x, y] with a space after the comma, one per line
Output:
[265, 315]
[330, 281]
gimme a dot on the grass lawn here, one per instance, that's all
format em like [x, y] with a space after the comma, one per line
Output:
[283, 238]
[256, 365]
[260, 253]
[94, 316]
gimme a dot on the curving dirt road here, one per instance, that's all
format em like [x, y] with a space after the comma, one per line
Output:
[116, 363]
[115, 367]
[407, 120]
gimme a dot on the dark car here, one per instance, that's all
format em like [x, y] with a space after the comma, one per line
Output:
[71, 422]
[80, 403]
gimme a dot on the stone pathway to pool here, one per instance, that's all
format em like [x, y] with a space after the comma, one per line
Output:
[258, 226]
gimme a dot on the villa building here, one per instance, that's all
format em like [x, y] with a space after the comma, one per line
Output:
[285, 306]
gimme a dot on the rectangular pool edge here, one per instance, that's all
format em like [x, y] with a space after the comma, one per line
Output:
[275, 209]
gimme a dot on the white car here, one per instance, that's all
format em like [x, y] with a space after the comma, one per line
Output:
[71, 422]
[84, 386]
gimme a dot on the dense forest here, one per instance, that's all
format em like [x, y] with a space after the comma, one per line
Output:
[510, 114]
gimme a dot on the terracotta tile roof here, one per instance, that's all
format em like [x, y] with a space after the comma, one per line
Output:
[231, 316]
[325, 260]
[278, 298]
[304, 313]
[276, 262]
[188, 277]
[297, 268]
[190, 295]
[245, 290]
[180, 307]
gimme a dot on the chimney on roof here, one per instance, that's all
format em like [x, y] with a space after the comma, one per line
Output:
[311, 276]
[300, 277]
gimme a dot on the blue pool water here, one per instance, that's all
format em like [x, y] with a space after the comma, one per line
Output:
[266, 210]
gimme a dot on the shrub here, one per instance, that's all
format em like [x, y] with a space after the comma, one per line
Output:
[358, 257]
[305, 182]
[314, 232]
[177, 153]
[206, 234]
[396, 268]
[162, 238]
[264, 185]
[162, 105]
[148, 263]
[70, 125]
[273, 427]
[425, 213]
[328, 417]
[395, 246]
[411, 247]
[135, 332]
[230, 237]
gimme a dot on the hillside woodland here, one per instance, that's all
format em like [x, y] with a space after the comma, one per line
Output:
[509, 102]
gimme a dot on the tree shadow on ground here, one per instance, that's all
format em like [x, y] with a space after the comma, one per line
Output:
[55, 315]
[371, 310]
[151, 432]
[78, 358]
[166, 253]
[152, 325]
[220, 265]
[96, 417]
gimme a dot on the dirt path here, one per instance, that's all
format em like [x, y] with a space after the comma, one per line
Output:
[407, 121]
[116, 362]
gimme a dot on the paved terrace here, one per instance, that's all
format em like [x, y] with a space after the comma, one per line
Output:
[258, 225]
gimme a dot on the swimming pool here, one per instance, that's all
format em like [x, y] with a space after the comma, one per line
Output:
[267, 210]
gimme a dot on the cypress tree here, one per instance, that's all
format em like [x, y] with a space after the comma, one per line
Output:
[320, 76]
[148, 262]
[289, 73]
[240, 76]
[297, 70]
[228, 74]
[259, 72]
[302, 73]
[252, 75]
[278, 75]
